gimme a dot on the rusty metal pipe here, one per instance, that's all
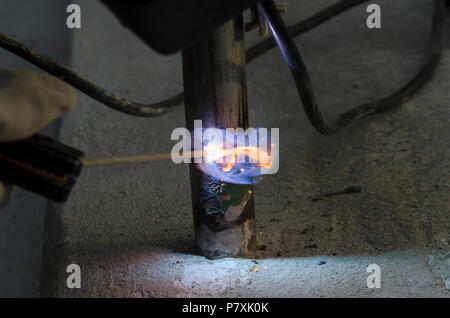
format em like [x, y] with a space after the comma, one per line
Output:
[216, 93]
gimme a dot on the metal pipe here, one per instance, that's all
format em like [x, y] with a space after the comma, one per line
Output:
[216, 93]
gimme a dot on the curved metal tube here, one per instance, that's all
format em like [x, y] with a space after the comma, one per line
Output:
[303, 82]
[150, 110]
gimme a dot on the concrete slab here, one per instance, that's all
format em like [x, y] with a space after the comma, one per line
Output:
[129, 227]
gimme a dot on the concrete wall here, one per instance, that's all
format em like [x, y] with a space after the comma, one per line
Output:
[129, 227]
[40, 23]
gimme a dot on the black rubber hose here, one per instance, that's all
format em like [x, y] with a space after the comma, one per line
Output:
[304, 26]
[143, 110]
[303, 81]
[91, 89]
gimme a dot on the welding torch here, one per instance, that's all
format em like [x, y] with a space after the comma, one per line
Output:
[41, 165]
[49, 168]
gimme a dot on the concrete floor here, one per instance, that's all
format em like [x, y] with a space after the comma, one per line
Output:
[129, 227]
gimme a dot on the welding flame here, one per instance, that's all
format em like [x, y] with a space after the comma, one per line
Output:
[228, 160]
[221, 153]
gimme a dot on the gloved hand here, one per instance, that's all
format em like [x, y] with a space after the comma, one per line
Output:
[29, 101]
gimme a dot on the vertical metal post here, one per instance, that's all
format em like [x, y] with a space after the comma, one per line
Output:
[216, 93]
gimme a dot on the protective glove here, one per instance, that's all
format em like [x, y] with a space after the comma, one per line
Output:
[29, 101]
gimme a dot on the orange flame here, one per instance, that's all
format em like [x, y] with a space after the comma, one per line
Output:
[230, 156]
